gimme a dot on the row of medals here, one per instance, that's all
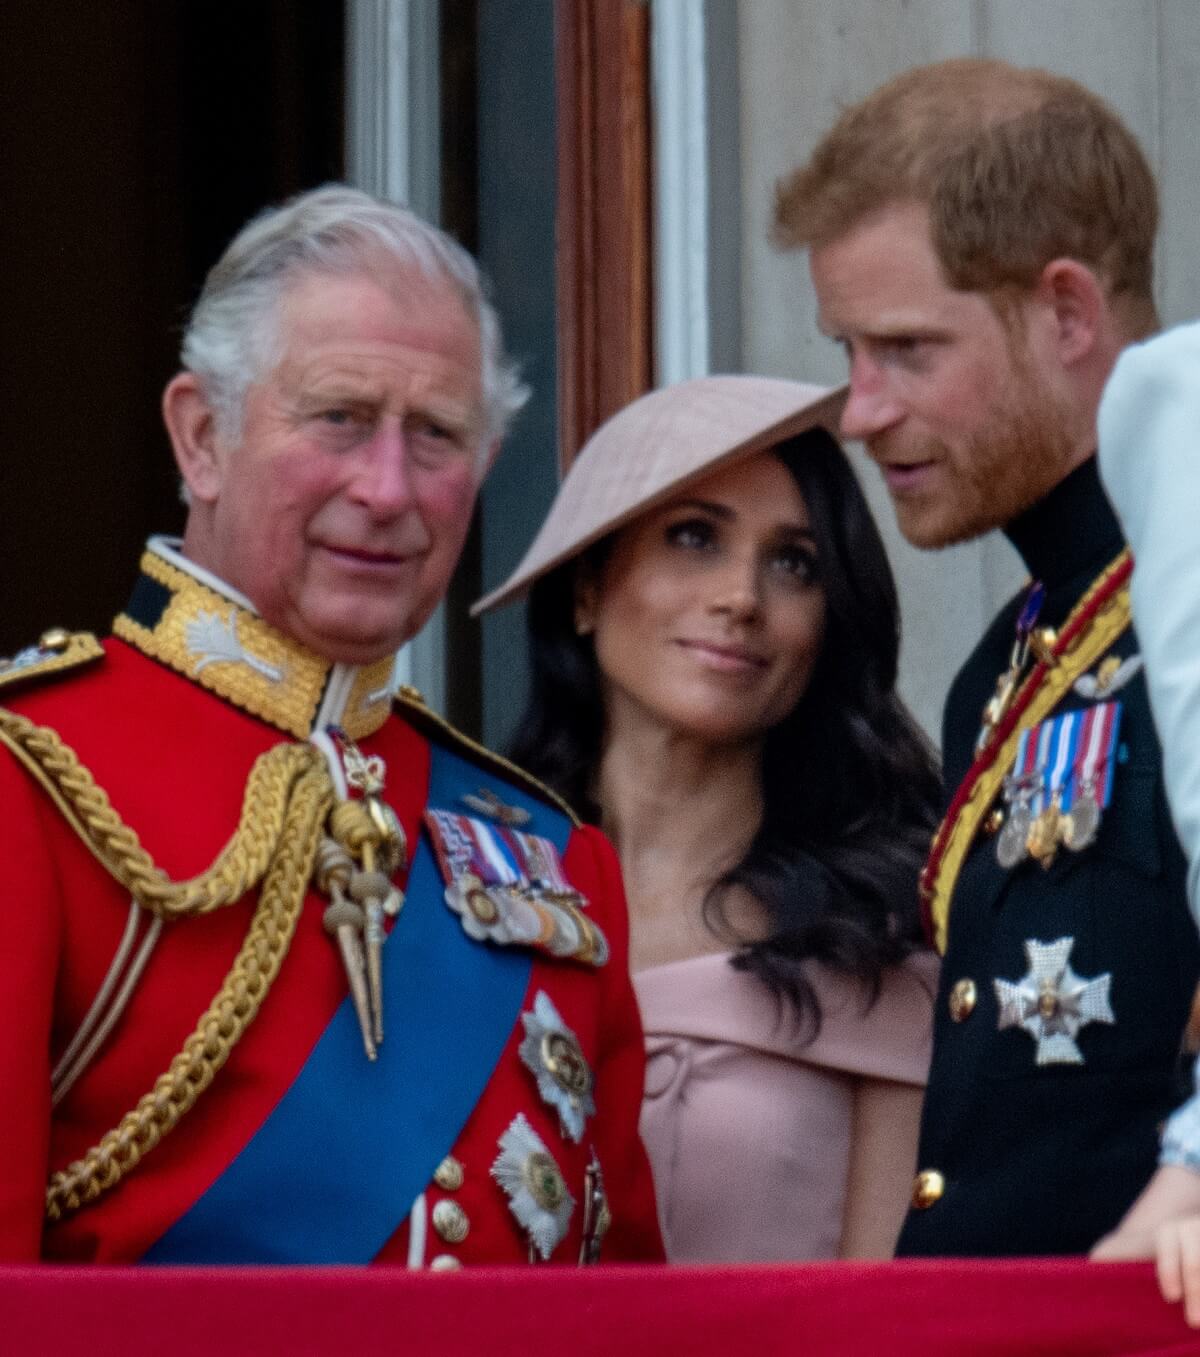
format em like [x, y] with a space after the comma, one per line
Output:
[1024, 834]
[1040, 836]
[533, 913]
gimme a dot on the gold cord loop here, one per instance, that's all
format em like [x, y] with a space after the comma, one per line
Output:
[288, 796]
[240, 864]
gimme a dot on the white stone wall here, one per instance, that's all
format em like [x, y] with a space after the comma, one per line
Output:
[798, 62]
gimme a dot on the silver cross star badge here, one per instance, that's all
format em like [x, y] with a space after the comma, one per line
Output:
[1052, 1003]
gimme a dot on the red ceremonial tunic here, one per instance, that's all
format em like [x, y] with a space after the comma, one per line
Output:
[174, 759]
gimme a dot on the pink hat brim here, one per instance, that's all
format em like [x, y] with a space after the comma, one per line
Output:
[656, 446]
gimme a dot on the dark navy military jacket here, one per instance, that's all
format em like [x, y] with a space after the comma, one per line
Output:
[1046, 1160]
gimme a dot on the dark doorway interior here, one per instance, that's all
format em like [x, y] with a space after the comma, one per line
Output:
[517, 247]
[135, 137]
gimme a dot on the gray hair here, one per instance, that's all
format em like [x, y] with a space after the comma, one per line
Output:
[232, 335]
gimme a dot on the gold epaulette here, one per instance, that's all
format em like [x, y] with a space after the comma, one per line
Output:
[57, 652]
[434, 727]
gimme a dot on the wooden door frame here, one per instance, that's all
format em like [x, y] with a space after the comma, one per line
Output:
[603, 213]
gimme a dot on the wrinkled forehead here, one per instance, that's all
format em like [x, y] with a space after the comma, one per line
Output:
[415, 291]
[393, 321]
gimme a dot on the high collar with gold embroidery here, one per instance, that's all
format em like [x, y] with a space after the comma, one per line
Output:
[185, 617]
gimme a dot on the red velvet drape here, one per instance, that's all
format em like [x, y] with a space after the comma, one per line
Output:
[1052, 1307]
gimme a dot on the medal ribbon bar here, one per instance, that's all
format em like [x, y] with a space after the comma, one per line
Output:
[1099, 618]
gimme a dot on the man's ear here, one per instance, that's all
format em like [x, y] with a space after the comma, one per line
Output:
[1077, 307]
[192, 430]
[488, 457]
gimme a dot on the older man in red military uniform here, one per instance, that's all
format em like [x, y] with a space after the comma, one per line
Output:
[293, 973]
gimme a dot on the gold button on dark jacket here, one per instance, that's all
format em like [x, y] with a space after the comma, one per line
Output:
[963, 998]
[928, 1187]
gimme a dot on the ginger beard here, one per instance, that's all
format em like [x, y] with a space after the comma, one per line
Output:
[1017, 453]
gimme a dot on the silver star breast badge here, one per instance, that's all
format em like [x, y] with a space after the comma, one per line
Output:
[1052, 1003]
[536, 1190]
[552, 1053]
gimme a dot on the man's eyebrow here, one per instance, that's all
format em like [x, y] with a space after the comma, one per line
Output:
[336, 388]
[446, 407]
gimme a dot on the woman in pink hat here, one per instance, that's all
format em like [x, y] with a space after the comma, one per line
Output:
[714, 637]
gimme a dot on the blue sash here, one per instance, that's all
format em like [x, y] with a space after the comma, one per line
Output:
[334, 1170]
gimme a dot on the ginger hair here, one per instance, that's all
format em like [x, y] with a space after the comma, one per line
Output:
[1016, 167]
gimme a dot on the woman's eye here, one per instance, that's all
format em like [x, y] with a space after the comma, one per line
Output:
[693, 534]
[797, 563]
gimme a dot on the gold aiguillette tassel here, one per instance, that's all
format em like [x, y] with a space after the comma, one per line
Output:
[370, 889]
[344, 920]
[367, 829]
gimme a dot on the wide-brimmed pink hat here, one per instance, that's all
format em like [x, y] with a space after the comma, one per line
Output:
[653, 448]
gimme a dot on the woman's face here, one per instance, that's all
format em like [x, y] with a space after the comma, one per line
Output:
[708, 613]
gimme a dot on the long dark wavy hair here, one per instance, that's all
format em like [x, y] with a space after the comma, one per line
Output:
[850, 783]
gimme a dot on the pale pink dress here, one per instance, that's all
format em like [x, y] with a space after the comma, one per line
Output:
[748, 1129]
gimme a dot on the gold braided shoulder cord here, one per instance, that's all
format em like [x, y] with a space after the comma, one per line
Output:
[1104, 629]
[86, 808]
[288, 796]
